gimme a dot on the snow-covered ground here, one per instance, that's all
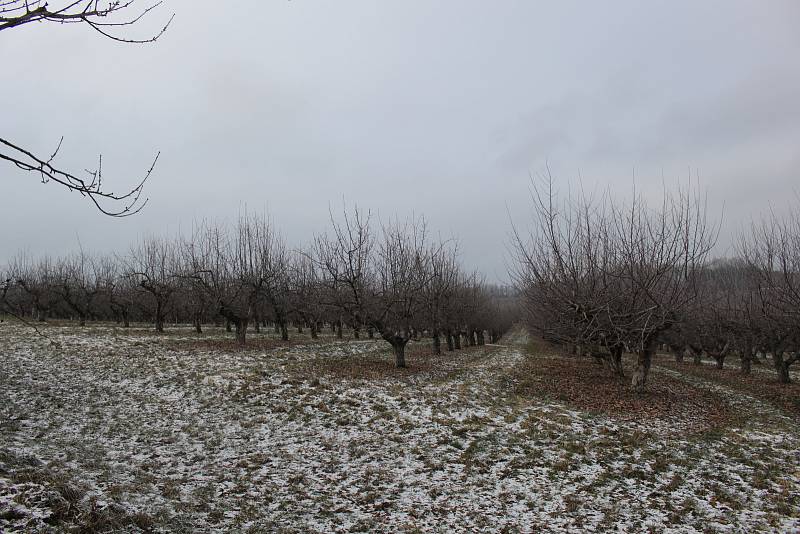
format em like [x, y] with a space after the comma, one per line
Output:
[107, 429]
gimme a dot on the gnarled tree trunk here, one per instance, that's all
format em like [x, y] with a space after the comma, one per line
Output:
[159, 317]
[614, 360]
[241, 331]
[643, 360]
[284, 331]
[781, 366]
[399, 354]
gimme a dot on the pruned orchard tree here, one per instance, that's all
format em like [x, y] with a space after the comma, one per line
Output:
[377, 281]
[152, 265]
[34, 279]
[74, 284]
[440, 291]
[772, 252]
[609, 274]
[401, 270]
[210, 264]
[306, 291]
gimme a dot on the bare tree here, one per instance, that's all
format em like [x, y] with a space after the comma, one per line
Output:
[262, 260]
[611, 275]
[440, 290]
[378, 282]
[153, 265]
[306, 291]
[76, 285]
[772, 252]
[401, 268]
[210, 265]
[36, 280]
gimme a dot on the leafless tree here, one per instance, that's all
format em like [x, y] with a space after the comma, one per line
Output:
[772, 252]
[611, 275]
[75, 284]
[210, 266]
[153, 265]
[262, 260]
[306, 291]
[34, 278]
[378, 281]
[440, 290]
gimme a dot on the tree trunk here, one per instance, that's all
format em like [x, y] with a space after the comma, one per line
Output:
[125, 321]
[457, 340]
[241, 331]
[339, 330]
[481, 338]
[437, 343]
[615, 361]
[746, 358]
[745, 363]
[356, 332]
[197, 326]
[781, 366]
[399, 353]
[449, 338]
[227, 325]
[159, 317]
[284, 332]
[370, 332]
[643, 360]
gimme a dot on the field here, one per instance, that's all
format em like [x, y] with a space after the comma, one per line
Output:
[103, 428]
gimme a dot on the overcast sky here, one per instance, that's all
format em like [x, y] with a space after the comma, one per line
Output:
[435, 108]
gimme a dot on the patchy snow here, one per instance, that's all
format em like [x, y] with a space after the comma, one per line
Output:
[120, 429]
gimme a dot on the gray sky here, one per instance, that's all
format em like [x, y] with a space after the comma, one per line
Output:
[435, 108]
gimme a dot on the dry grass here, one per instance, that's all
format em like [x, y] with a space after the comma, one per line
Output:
[586, 385]
[763, 386]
